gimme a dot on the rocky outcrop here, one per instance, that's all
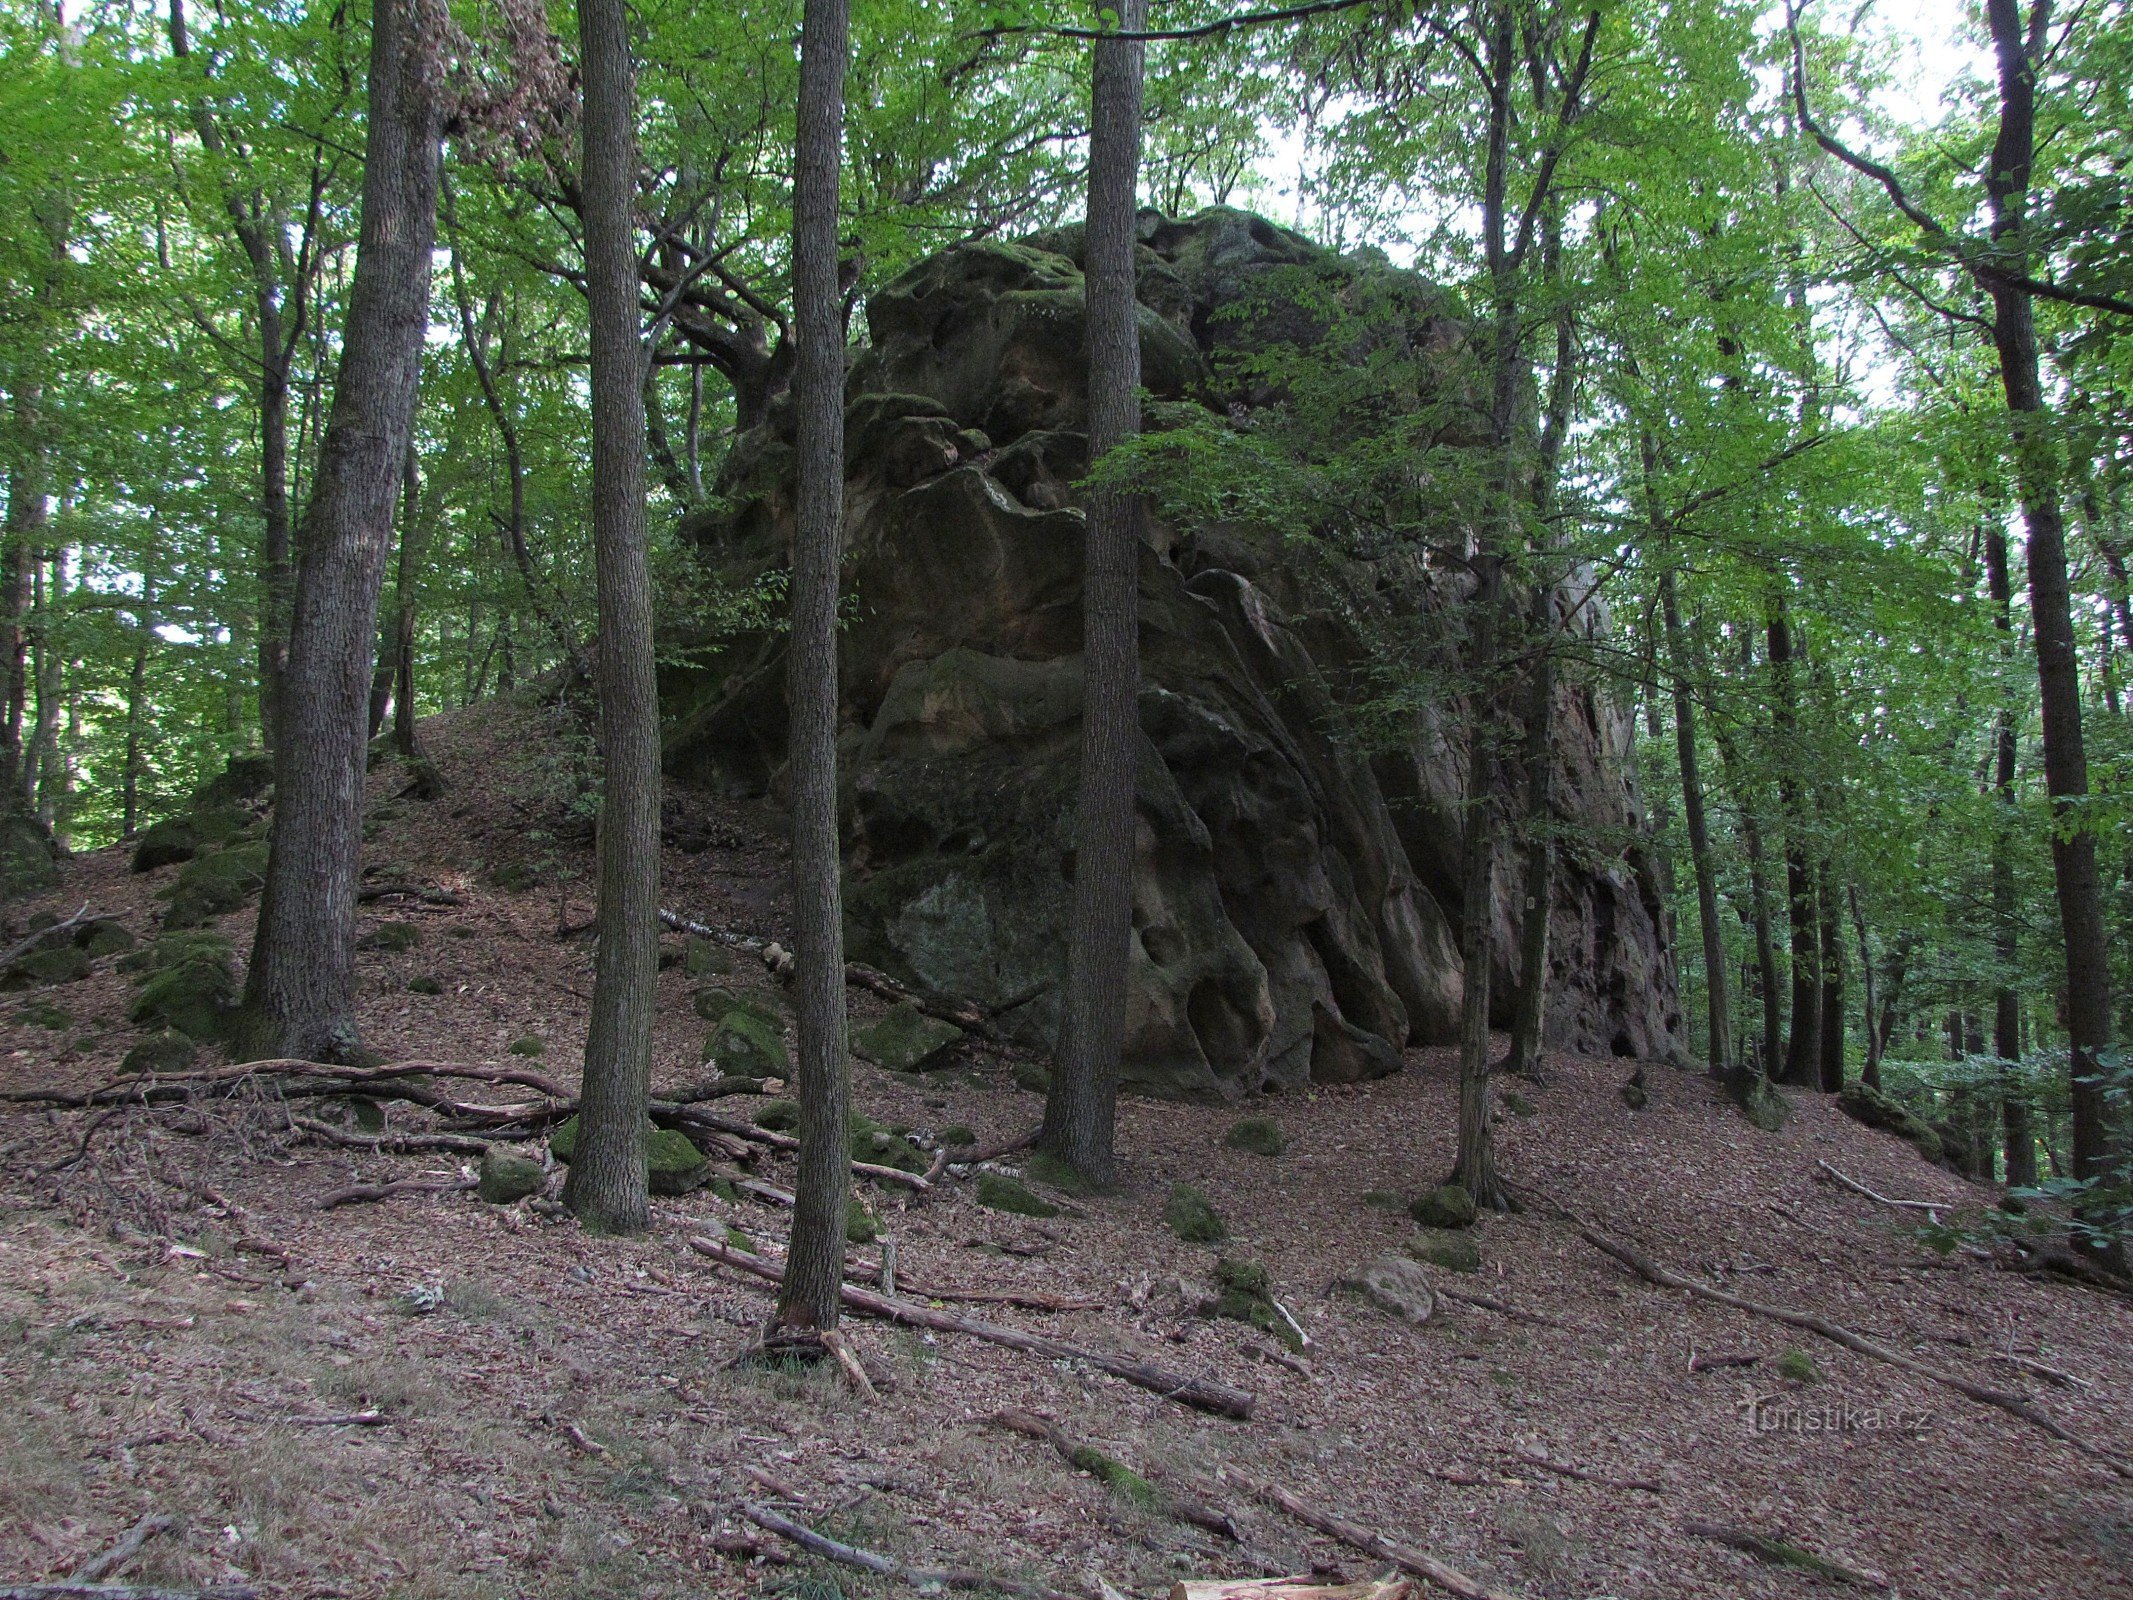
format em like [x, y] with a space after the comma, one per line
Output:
[1297, 883]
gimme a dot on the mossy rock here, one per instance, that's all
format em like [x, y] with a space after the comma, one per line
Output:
[779, 1116]
[43, 1014]
[1452, 1250]
[1244, 1292]
[1446, 1206]
[1033, 1075]
[1055, 1173]
[888, 1149]
[391, 936]
[1193, 1217]
[513, 877]
[958, 1137]
[1635, 1095]
[1515, 1103]
[907, 1040]
[998, 1192]
[211, 885]
[1384, 1200]
[1798, 1366]
[191, 985]
[860, 1226]
[746, 1044]
[507, 1176]
[1396, 1286]
[164, 1051]
[29, 855]
[51, 964]
[715, 1002]
[424, 984]
[103, 936]
[672, 1164]
[166, 844]
[1864, 1103]
[530, 1045]
[1259, 1136]
[704, 958]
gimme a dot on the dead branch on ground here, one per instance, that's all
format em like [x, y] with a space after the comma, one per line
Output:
[1780, 1553]
[1205, 1394]
[356, 1193]
[1405, 1557]
[1115, 1475]
[850, 1555]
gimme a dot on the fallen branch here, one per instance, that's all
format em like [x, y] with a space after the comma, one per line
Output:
[1779, 1553]
[1932, 1208]
[122, 1591]
[23, 946]
[428, 894]
[998, 1148]
[1203, 1393]
[97, 1567]
[1533, 1458]
[1504, 1309]
[850, 1555]
[356, 1193]
[785, 1141]
[400, 1144]
[1405, 1557]
[1025, 1299]
[346, 1419]
[159, 1087]
[2014, 1405]
[1115, 1475]
[965, 1014]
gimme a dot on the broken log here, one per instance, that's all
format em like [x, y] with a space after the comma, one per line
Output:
[851, 1555]
[1204, 1394]
[357, 1193]
[2014, 1405]
[1405, 1557]
[1782, 1554]
[1115, 1475]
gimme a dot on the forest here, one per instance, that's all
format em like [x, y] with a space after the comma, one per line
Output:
[1214, 798]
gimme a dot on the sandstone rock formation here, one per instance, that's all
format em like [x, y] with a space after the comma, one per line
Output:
[1297, 888]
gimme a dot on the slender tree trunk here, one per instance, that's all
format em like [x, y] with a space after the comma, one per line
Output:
[26, 514]
[1718, 1002]
[136, 716]
[1081, 1109]
[606, 1188]
[2006, 927]
[1869, 1008]
[1830, 938]
[405, 600]
[1529, 1015]
[1802, 1064]
[809, 1297]
[1769, 993]
[299, 996]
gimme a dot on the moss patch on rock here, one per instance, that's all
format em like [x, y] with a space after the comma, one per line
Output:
[747, 1044]
[1446, 1248]
[213, 884]
[507, 1176]
[391, 936]
[1193, 1217]
[166, 1050]
[191, 985]
[779, 1116]
[672, 1164]
[998, 1192]
[1259, 1136]
[1446, 1206]
[1864, 1103]
[1244, 1292]
[530, 1045]
[907, 1040]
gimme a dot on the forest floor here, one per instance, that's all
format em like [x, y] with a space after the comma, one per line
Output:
[566, 1422]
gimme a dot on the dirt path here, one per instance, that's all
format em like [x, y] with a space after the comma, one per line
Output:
[563, 1421]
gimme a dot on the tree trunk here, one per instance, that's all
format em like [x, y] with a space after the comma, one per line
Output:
[1529, 1015]
[1718, 1003]
[404, 603]
[2006, 912]
[814, 1264]
[1751, 837]
[299, 998]
[1869, 1007]
[136, 717]
[1803, 1048]
[1830, 936]
[1081, 1108]
[606, 1188]
[2039, 481]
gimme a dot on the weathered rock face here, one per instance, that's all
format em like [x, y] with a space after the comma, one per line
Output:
[1297, 888]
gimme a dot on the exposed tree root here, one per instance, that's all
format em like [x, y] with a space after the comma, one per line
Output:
[1405, 1557]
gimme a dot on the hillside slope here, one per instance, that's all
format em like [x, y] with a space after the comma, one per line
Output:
[566, 1421]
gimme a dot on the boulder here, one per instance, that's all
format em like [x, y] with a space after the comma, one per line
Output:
[48, 964]
[1396, 1285]
[189, 984]
[507, 1176]
[1450, 1249]
[214, 814]
[672, 1164]
[391, 937]
[29, 855]
[1862, 1102]
[1298, 869]
[165, 1051]
[746, 1045]
[216, 882]
[1193, 1217]
[999, 1192]
[1447, 1206]
[1259, 1136]
[906, 1039]
[700, 958]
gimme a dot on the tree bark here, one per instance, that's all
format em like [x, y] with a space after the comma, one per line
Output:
[1751, 838]
[1081, 1108]
[1830, 956]
[606, 1188]
[136, 715]
[2039, 480]
[808, 1298]
[299, 996]
[1803, 1047]
[1718, 1002]
[2020, 1137]
[1529, 1015]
